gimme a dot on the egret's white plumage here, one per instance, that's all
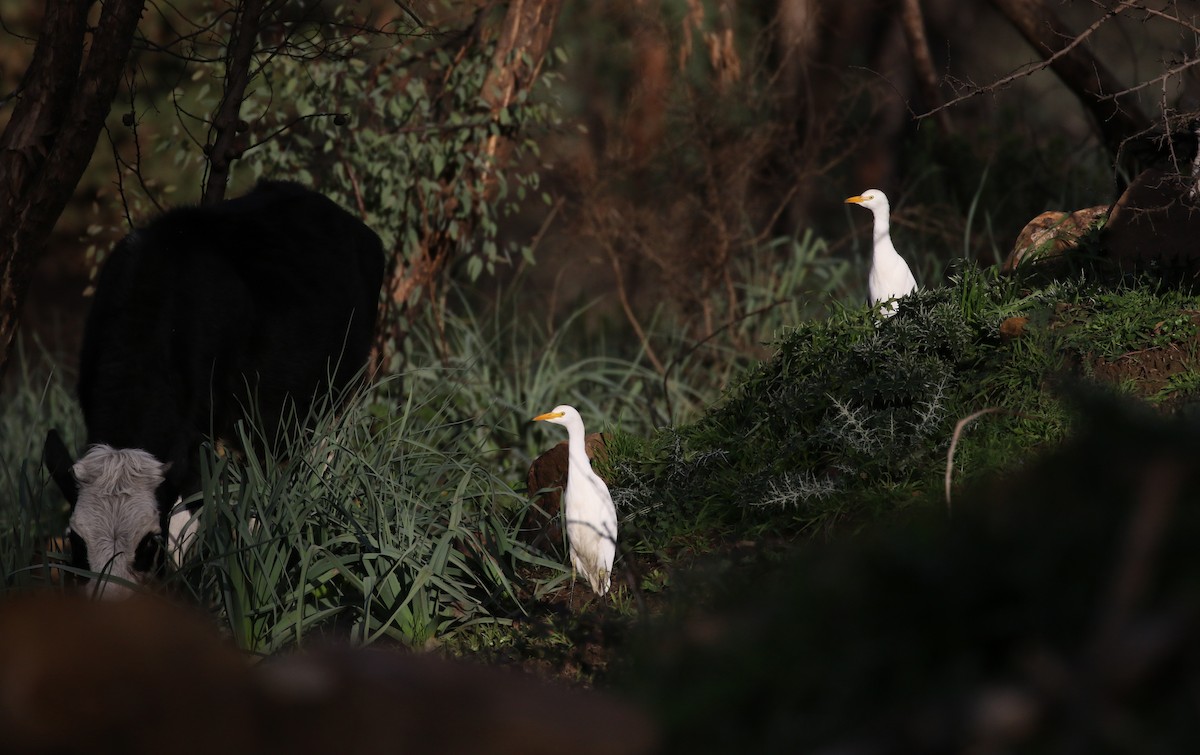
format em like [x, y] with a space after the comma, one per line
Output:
[587, 506]
[890, 277]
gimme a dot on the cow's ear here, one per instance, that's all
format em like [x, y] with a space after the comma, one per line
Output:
[58, 462]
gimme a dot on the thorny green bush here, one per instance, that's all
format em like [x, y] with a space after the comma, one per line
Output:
[852, 412]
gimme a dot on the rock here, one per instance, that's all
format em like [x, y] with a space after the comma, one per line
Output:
[129, 676]
[548, 474]
[379, 701]
[141, 676]
[1050, 234]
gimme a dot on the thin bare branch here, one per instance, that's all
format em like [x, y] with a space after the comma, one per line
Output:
[958, 430]
[1162, 78]
[629, 314]
[1086, 76]
[913, 22]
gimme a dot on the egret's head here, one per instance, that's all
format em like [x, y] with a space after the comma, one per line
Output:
[561, 415]
[115, 527]
[872, 199]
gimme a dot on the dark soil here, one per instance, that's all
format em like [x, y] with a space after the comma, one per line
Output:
[1149, 369]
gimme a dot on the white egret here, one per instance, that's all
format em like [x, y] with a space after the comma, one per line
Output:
[587, 506]
[890, 277]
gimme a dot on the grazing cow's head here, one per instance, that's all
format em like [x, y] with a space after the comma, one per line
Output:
[115, 527]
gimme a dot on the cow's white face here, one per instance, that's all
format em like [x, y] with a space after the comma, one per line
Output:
[116, 516]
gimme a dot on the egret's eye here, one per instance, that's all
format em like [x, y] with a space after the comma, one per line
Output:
[148, 553]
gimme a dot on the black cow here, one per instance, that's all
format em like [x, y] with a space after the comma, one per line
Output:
[247, 309]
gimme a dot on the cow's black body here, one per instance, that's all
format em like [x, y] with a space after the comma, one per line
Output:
[208, 311]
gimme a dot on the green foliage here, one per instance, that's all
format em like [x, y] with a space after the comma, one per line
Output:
[398, 124]
[411, 154]
[1112, 323]
[1182, 385]
[407, 139]
[396, 518]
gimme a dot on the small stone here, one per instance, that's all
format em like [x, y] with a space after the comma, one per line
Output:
[1012, 328]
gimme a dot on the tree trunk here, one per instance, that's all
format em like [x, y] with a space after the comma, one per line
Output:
[222, 149]
[1117, 118]
[913, 21]
[61, 106]
[520, 52]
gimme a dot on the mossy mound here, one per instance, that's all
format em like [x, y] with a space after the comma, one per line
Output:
[1053, 611]
[854, 416]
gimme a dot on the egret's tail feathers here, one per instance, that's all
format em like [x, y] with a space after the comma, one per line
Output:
[600, 581]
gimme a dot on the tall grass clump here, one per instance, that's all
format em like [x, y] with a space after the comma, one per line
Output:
[372, 524]
[397, 519]
[36, 397]
[782, 282]
[495, 364]
[393, 518]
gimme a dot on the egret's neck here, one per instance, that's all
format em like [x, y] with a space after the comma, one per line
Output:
[882, 229]
[576, 447]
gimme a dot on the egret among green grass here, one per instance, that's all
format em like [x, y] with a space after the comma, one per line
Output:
[890, 277]
[588, 507]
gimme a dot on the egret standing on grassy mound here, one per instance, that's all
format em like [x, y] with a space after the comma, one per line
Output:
[890, 277]
[587, 505]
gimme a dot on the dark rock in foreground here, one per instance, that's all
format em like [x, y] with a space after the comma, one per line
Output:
[141, 676]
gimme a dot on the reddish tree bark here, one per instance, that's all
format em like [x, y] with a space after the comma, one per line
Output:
[520, 52]
[60, 109]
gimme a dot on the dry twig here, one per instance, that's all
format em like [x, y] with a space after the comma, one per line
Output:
[958, 429]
